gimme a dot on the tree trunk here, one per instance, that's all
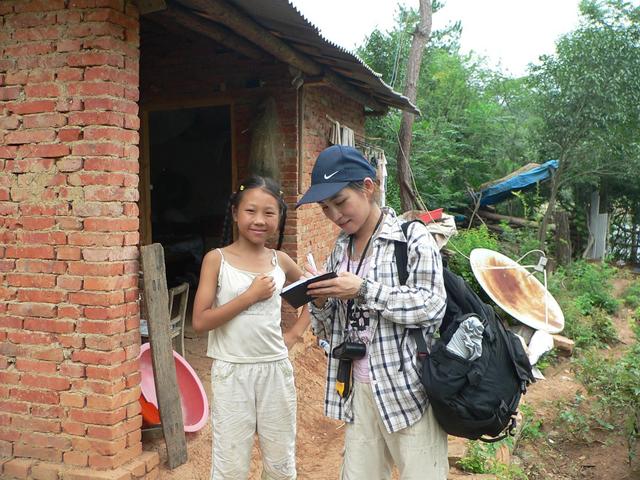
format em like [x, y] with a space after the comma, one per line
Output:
[555, 187]
[408, 197]
[563, 238]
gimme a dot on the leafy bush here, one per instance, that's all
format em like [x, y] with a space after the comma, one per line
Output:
[481, 458]
[584, 292]
[462, 244]
[631, 295]
[615, 385]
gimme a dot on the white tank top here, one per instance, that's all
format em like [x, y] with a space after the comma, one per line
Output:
[254, 335]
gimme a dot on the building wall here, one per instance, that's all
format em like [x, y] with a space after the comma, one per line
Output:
[321, 106]
[69, 228]
[69, 380]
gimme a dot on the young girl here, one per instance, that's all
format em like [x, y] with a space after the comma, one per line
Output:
[238, 302]
[365, 308]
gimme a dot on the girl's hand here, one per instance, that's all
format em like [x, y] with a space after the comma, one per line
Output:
[344, 287]
[262, 288]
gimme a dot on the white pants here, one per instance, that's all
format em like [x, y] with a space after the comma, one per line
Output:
[250, 398]
[419, 451]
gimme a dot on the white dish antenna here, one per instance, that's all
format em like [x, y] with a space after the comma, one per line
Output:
[516, 290]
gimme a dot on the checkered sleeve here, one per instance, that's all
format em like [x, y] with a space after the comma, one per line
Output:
[422, 301]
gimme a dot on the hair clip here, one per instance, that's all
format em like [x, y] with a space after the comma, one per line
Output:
[241, 188]
[281, 193]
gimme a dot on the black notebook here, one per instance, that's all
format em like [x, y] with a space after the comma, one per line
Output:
[296, 293]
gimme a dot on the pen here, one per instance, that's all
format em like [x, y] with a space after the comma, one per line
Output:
[312, 262]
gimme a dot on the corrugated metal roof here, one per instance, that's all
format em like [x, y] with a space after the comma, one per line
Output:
[284, 20]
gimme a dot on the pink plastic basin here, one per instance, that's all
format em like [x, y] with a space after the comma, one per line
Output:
[193, 399]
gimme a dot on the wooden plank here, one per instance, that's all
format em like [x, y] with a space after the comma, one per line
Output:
[164, 370]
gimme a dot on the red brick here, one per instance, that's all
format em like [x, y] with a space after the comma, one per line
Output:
[48, 411]
[44, 120]
[92, 58]
[72, 370]
[74, 428]
[70, 74]
[43, 296]
[34, 238]
[113, 104]
[69, 45]
[39, 5]
[102, 328]
[96, 118]
[95, 417]
[30, 338]
[68, 253]
[34, 396]
[14, 407]
[9, 122]
[36, 366]
[49, 325]
[45, 471]
[72, 399]
[8, 152]
[40, 90]
[52, 150]
[70, 135]
[33, 309]
[37, 223]
[111, 193]
[9, 93]
[106, 224]
[30, 136]
[70, 283]
[32, 106]
[41, 266]
[69, 311]
[99, 358]
[96, 269]
[47, 454]
[40, 76]
[55, 354]
[79, 459]
[18, 468]
[93, 149]
[48, 382]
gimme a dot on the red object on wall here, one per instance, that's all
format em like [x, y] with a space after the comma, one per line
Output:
[431, 215]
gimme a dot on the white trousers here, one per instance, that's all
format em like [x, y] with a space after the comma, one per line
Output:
[251, 398]
[370, 451]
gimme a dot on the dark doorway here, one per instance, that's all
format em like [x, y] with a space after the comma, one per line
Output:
[190, 170]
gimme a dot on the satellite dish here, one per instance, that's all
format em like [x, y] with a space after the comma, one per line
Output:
[514, 289]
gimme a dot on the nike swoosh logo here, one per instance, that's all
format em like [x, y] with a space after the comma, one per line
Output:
[327, 177]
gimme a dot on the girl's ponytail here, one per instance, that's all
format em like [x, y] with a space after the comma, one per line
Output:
[227, 228]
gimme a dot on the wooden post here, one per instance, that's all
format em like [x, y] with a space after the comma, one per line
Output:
[156, 299]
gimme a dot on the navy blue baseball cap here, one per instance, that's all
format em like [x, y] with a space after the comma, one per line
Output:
[336, 167]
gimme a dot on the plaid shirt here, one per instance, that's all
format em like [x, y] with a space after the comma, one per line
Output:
[394, 309]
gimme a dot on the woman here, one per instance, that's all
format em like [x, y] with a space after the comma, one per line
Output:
[367, 314]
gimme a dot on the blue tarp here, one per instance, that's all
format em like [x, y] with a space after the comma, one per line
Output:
[502, 191]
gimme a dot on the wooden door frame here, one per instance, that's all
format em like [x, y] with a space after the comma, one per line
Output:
[144, 187]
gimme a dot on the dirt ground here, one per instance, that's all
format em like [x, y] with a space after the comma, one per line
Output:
[560, 456]
[556, 456]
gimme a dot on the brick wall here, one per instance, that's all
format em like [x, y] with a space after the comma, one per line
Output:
[315, 232]
[69, 380]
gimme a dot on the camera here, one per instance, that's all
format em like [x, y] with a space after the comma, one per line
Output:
[346, 353]
[349, 351]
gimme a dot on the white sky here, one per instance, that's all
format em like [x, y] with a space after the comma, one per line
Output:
[510, 33]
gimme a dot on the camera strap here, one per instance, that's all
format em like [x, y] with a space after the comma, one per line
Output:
[350, 303]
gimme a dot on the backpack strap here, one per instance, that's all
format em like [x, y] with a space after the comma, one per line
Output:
[403, 274]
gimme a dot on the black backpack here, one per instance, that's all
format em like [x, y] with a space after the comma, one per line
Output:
[471, 399]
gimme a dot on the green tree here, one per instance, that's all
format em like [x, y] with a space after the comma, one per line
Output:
[588, 97]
